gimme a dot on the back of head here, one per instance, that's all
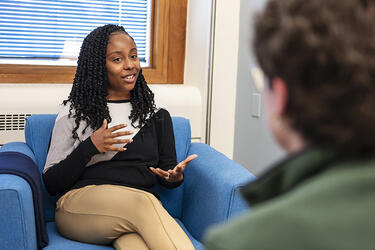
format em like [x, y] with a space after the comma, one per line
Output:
[324, 50]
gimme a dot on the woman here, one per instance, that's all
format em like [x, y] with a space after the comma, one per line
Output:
[109, 146]
[319, 59]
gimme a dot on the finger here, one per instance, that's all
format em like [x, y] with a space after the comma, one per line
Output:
[174, 175]
[172, 172]
[104, 125]
[117, 134]
[154, 171]
[190, 158]
[162, 172]
[111, 141]
[157, 172]
[180, 168]
[119, 141]
[116, 127]
[113, 148]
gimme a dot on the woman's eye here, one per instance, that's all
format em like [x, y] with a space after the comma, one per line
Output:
[117, 59]
[134, 56]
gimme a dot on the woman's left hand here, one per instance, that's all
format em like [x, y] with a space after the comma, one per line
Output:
[177, 173]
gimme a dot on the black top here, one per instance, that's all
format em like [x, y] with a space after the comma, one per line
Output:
[153, 146]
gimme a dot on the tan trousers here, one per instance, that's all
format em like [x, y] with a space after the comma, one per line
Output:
[128, 218]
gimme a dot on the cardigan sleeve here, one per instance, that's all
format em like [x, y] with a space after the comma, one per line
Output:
[166, 146]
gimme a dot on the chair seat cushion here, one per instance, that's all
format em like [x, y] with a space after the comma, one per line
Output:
[56, 241]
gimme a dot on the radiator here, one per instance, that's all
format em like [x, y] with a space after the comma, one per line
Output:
[18, 101]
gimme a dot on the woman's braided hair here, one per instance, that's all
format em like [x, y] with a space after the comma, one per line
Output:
[89, 90]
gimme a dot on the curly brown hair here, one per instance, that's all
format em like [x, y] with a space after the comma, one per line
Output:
[324, 50]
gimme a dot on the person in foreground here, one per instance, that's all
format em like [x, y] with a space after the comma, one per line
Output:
[109, 146]
[319, 60]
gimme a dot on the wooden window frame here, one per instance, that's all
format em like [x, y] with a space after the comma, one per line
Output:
[167, 62]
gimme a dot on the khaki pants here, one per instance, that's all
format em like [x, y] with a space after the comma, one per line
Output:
[127, 217]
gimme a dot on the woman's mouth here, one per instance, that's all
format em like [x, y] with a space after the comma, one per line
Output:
[129, 78]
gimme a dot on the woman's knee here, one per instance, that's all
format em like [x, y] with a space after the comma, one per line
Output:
[87, 228]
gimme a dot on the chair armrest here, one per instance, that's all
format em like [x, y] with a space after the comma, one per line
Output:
[211, 192]
[17, 210]
[19, 147]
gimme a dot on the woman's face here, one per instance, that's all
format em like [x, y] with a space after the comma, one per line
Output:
[122, 66]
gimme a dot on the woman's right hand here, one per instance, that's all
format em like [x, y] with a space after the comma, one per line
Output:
[104, 138]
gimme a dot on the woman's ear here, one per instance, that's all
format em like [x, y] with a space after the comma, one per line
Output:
[280, 96]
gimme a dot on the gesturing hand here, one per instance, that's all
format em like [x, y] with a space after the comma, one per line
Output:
[177, 173]
[104, 138]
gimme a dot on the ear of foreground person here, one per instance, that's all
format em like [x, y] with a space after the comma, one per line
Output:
[319, 59]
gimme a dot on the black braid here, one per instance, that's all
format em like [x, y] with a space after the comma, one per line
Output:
[89, 90]
[142, 100]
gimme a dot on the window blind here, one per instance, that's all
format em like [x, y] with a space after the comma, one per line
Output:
[51, 32]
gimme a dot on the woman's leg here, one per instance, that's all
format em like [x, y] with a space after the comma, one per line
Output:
[130, 241]
[156, 226]
[100, 214]
[86, 215]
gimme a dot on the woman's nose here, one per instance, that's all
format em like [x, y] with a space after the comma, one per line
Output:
[128, 64]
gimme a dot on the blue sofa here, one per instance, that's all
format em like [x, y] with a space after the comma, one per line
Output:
[209, 194]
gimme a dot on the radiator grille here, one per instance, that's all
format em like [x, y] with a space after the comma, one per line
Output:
[13, 121]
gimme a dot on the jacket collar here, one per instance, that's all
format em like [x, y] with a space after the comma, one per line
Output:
[288, 173]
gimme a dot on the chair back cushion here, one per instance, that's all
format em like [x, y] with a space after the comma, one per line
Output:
[38, 132]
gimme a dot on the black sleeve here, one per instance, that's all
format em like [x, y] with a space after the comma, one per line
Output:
[60, 177]
[166, 145]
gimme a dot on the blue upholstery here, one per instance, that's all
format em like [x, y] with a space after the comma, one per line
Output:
[172, 198]
[17, 221]
[37, 133]
[58, 242]
[209, 193]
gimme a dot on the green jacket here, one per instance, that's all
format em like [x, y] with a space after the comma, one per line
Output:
[316, 199]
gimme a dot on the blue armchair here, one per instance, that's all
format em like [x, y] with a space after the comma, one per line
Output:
[209, 194]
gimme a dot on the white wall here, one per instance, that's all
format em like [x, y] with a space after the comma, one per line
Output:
[198, 51]
[225, 64]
